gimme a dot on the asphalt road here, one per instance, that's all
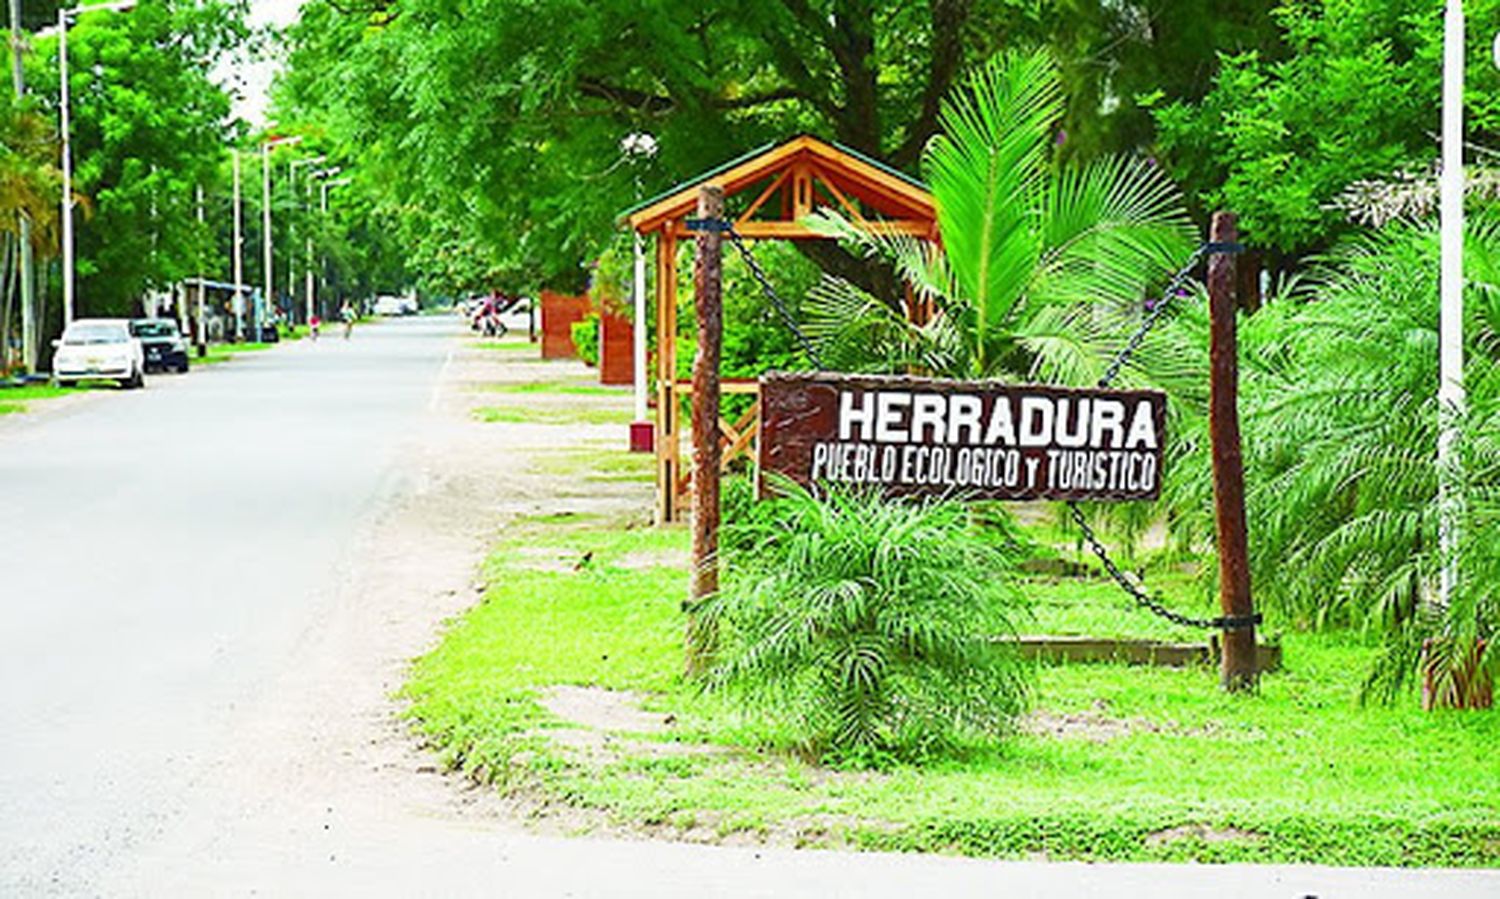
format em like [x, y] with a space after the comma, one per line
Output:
[166, 555]
[160, 551]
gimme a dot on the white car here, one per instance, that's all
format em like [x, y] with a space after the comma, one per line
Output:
[393, 305]
[99, 348]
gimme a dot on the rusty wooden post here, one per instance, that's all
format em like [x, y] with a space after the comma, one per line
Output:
[1239, 670]
[708, 302]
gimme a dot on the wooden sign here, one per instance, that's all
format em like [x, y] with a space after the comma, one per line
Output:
[972, 439]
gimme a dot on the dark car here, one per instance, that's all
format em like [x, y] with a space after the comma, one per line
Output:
[164, 347]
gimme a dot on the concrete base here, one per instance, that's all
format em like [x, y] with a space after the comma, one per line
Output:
[642, 436]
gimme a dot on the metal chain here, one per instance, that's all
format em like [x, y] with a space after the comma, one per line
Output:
[1151, 318]
[765, 285]
[1142, 599]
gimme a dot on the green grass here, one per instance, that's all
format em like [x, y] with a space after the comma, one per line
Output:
[1299, 773]
[614, 464]
[569, 388]
[551, 416]
[219, 353]
[14, 400]
[508, 346]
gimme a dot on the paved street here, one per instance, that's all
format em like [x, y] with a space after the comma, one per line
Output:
[197, 653]
[160, 552]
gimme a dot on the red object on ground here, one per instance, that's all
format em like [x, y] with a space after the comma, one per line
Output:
[642, 436]
[559, 312]
[616, 344]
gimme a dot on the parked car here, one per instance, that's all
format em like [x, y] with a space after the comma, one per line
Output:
[99, 348]
[162, 344]
[393, 305]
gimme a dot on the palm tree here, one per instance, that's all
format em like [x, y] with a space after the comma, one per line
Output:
[1043, 267]
[30, 182]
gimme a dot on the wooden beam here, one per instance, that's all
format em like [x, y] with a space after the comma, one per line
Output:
[854, 211]
[879, 188]
[760, 201]
[795, 230]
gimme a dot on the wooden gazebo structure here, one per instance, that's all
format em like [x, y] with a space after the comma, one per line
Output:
[768, 192]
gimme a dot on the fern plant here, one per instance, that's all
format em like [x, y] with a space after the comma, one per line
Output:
[870, 627]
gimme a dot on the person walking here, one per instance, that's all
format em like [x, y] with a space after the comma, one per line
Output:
[346, 312]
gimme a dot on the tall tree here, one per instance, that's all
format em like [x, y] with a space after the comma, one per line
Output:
[503, 119]
[149, 123]
[1356, 97]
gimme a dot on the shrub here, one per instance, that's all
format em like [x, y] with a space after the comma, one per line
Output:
[586, 338]
[868, 626]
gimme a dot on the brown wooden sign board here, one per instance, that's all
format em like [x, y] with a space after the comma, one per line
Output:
[909, 436]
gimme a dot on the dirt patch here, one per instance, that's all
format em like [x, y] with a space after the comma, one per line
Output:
[659, 559]
[1203, 833]
[1092, 727]
[601, 709]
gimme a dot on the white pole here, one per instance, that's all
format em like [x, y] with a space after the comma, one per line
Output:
[67, 169]
[307, 287]
[202, 329]
[1450, 324]
[640, 330]
[239, 263]
[269, 298]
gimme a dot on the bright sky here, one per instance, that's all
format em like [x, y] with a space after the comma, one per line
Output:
[252, 78]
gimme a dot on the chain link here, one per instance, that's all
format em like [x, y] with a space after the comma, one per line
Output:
[1153, 315]
[1141, 597]
[759, 275]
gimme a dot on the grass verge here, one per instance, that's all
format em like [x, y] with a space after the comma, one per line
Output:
[14, 400]
[519, 414]
[1114, 762]
[219, 353]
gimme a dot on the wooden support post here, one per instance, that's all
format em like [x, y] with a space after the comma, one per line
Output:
[1239, 670]
[708, 301]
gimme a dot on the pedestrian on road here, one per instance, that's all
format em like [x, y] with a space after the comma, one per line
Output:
[346, 312]
[313, 325]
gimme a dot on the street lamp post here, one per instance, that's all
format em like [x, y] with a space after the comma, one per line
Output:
[265, 175]
[309, 289]
[63, 20]
[639, 147]
[291, 266]
[323, 198]
[239, 254]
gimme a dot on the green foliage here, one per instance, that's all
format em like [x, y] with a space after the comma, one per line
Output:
[756, 338]
[869, 625]
[148, 126]
[498, 149]
[1340, 421]
[30, 181]
[1356, 96]
[586, 338]
[1044, 268]
[1116, 763]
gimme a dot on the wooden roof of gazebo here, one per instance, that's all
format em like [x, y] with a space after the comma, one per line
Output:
[768, 192]
[791, 180]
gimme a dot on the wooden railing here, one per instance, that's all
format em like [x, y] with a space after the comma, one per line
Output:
[737, 438]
